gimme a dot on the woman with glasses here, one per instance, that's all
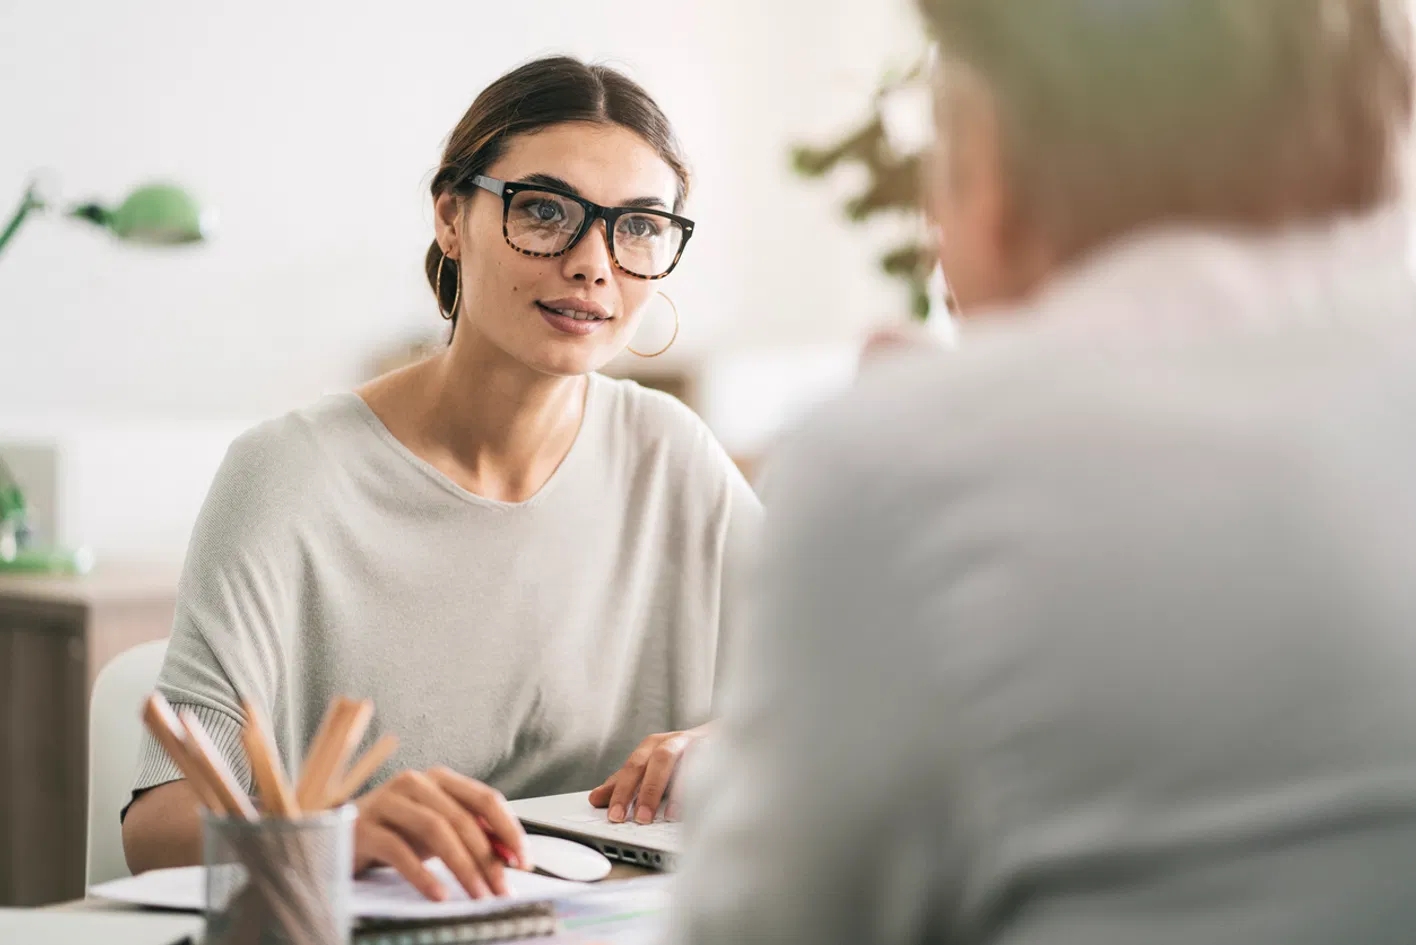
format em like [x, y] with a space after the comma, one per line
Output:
[521, 562]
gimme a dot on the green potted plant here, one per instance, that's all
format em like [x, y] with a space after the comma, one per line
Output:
[893, 160]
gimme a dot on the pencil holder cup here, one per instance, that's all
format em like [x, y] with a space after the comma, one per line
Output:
[279, 881]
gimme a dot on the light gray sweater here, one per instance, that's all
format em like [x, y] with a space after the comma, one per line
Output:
[530, 645]
[1100, 633]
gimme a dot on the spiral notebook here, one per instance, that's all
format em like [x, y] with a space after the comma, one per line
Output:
[527, 920]
[388, 909]
[380, 895]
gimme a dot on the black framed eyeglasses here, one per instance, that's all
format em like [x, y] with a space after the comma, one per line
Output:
[545, 222]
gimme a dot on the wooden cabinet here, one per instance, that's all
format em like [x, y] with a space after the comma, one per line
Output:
[56, 633]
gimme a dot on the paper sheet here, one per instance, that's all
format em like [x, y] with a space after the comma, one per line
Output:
[379, 894]
[627, 912]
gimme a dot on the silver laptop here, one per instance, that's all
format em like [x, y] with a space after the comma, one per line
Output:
[655, 845]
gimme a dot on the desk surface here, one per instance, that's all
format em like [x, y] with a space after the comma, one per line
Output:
[112, 583]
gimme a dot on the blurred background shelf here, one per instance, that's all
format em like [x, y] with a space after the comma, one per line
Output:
[56, 633]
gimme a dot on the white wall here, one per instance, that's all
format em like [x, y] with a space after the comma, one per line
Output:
[312, 125]
[312, 128]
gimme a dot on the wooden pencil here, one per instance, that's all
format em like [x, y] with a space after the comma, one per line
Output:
[350, 721]
[319, 756]
[276, 792]
[362, 770]
[209, 758]
[347, 739]
[162, 722]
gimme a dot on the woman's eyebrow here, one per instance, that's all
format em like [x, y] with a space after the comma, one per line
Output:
[550, 180]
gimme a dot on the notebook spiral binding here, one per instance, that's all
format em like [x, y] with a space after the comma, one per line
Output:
[536, 920]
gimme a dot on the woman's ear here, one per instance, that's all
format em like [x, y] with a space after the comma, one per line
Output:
[447, 224]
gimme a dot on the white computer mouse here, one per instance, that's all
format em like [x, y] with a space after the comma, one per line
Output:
[566, 859]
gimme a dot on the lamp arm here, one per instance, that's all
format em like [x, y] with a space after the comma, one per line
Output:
[29, 203]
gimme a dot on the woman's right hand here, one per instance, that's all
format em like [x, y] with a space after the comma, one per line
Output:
[420, 814]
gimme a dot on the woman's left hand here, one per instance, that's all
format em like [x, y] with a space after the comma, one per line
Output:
[646, 777]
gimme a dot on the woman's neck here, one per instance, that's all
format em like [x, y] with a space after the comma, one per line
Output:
[487, 422]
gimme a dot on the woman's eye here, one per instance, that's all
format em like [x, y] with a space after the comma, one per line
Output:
[640, 227]
[544, 211]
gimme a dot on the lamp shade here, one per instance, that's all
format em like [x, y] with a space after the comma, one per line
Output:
[158, 213]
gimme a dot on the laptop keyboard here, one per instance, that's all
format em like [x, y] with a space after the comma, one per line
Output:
[663, 834]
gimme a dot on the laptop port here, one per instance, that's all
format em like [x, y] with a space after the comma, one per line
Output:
[611, 851]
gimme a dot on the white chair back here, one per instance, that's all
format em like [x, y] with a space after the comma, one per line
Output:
[115, 730]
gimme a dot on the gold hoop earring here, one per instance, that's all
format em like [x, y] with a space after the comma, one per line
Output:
[456, 295]
[666, 347]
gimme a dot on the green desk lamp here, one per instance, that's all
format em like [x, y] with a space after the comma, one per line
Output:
[155, 214]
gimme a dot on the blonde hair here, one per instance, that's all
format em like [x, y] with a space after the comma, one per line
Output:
[1118, 113]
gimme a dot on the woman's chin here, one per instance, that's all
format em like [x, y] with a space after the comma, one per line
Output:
[570, 359]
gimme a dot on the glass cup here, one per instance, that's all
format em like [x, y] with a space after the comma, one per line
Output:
[278, 881]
